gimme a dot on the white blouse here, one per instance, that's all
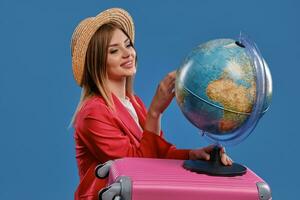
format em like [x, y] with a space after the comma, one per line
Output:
[126, 102]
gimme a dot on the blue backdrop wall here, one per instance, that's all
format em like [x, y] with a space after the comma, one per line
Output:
[39, 95]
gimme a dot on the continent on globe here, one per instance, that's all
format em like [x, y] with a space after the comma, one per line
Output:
[234, 98]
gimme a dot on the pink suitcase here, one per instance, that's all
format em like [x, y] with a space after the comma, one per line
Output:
[162, 179]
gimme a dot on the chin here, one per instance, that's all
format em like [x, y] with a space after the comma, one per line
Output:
[132, 72]
[129, 75]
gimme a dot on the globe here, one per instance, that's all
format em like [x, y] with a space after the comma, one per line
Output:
[224, 87]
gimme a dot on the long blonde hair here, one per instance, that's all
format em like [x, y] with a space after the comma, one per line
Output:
[95, 69]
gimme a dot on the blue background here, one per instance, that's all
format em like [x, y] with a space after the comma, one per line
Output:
[39, 95]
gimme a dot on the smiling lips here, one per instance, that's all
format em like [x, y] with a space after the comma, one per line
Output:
[127, 64]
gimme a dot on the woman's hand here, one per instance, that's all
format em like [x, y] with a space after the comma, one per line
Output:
[204, 154]
[161, 100]
[163, 95]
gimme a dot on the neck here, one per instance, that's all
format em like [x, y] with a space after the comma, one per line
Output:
[117, 87]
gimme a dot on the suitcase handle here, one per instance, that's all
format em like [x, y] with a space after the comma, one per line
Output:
[102, 170]
[264, 191]
[121, 189]
[110, 193]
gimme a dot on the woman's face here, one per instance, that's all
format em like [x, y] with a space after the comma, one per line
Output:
[120, 57]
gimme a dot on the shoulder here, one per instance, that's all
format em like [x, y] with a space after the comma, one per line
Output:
[95, 102]
[93, 117]
[94, 107]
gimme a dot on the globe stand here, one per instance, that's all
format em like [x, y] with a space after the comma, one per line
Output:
[214, 166]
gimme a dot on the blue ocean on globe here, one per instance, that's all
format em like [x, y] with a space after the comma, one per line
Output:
[216, 87]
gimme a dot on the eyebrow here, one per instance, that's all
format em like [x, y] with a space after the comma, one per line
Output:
[112, 45]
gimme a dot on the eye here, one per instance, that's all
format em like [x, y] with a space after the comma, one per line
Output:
[113, 51]
[129, 45]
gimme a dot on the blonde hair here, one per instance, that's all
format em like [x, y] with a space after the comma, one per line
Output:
[95, 68]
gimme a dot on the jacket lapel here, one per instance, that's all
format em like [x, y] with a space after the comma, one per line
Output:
[140, 111]
[128, 123]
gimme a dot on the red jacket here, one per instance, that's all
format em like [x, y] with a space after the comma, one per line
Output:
[102, 134]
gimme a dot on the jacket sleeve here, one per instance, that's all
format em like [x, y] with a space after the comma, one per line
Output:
[106, 140]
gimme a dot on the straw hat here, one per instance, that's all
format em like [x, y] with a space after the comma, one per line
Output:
[86, 29]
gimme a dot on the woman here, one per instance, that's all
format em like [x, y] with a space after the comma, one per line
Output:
[111, 121]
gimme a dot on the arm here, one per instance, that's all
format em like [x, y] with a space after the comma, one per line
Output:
[161, 100]
[106, 140]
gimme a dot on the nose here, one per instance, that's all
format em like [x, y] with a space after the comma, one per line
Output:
[126, 53]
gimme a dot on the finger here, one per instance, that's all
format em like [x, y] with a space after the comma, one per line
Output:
[171, 87]
[173, 94]
[226, 160]
[171, 76]
[209, 148]
[222, 150]
[223, 159]
[203, 155]
[173, 73]
[172, 82]
[166, 80]
[206, 156]
[231, 161]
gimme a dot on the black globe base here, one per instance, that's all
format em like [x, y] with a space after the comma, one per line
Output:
[214, 166]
